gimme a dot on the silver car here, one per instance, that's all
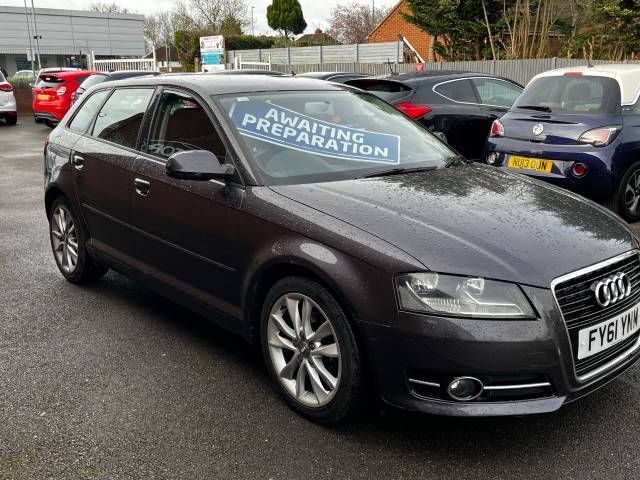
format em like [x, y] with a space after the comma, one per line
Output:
[8, 107]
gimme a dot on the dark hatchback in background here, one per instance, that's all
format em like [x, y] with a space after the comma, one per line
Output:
[459, 105]
[348, 242]
[102, 77]
[578, 128]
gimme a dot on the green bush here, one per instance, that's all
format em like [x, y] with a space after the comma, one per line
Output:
[248, 42]
[21, 81]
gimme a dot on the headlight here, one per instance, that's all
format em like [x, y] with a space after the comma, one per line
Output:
[462, 296]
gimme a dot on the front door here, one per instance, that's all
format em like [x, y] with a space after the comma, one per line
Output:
[187, 232]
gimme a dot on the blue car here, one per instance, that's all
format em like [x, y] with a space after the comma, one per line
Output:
[578, 128]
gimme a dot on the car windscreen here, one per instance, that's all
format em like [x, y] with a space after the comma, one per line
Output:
[319, 136]
[571, 94]
[2, 79]
[48, 81]
[94, 80]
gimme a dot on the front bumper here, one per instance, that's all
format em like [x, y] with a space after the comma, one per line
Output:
[435, 350]
[599, 183]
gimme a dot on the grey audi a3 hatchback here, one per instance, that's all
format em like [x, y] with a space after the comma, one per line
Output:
[358, 251]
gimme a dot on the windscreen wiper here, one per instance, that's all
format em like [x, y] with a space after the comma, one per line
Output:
[397, 171]
[539, 108]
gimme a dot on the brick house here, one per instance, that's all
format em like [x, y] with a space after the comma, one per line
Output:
[394, 24]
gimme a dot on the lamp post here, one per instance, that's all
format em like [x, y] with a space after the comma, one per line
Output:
[26, 17]
[252, 31]
[36, 36]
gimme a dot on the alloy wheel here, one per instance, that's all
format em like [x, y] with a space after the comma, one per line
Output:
[304, 350]
[632, 193]
[64, 239]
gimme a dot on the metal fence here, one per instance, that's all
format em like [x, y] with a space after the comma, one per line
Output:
[356, 53]
[520, 71]
[115, 65]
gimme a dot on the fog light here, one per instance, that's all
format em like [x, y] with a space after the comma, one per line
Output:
[492, 158]
[464, 389]
[578, 169]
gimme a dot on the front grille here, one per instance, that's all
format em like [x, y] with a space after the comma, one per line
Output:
[580, 309]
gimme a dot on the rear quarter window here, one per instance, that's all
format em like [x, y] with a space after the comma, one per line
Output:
[457, 90]
[87, 111]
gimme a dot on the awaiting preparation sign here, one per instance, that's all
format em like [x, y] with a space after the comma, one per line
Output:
[281, 126]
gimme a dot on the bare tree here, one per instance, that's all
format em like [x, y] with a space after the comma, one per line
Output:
[108, 7]
[210, 15]
[528, 27]
[354, 22]
[159, 30]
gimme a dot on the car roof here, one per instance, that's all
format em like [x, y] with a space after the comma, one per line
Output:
[442, 75]
[223, 84]
[248, 71]
[122, 74]
[325, 75]
[626, 74]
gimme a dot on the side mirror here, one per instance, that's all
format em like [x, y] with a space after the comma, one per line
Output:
[197, 165]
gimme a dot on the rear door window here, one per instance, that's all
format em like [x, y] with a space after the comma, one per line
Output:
[87, 112]
[496, 92]
[457, 90]
[572, 94]
[121, 116]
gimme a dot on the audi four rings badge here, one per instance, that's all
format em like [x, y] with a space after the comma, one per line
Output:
[612, 289]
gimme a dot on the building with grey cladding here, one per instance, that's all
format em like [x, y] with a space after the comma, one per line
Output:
[68, 36]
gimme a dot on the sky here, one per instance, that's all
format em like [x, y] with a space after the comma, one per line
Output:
[315, 12]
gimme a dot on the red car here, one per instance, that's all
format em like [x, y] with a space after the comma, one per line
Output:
[52, 94]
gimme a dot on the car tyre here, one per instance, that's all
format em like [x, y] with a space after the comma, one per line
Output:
[312, 355]
[68, 244]
[12, 119]
[626, 199]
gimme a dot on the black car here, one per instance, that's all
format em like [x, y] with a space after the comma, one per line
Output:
[97, 78]
[348, 242]
[339, 77]
[461, 106]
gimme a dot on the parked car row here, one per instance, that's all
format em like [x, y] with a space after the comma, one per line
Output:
[386, 265]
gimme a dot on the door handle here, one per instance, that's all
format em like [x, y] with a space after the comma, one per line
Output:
[142, 187]
[77, 161]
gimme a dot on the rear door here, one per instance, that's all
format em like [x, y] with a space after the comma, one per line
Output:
[188, 233]
[102, 160]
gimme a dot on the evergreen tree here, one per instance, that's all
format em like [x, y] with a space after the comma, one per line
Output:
[285, 16]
